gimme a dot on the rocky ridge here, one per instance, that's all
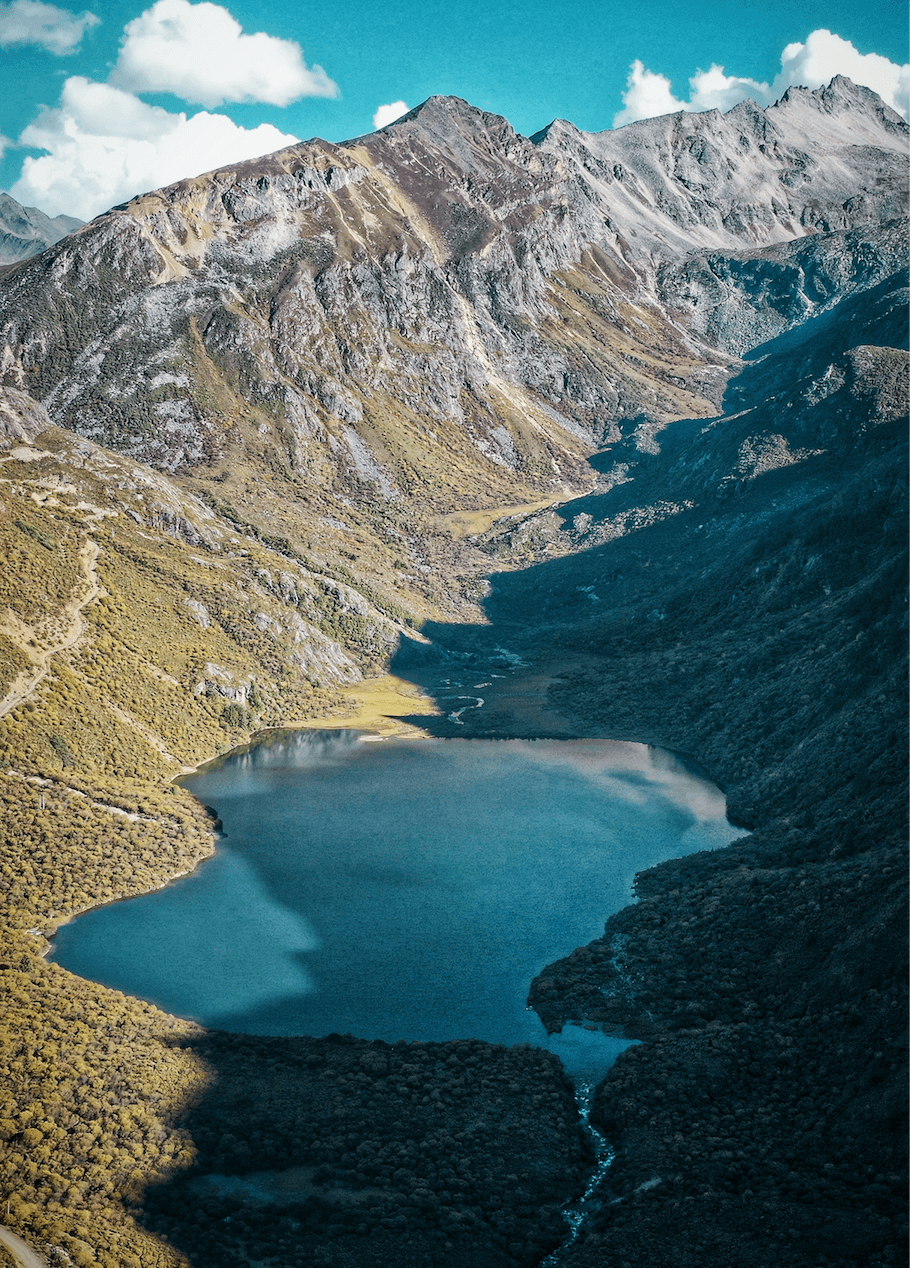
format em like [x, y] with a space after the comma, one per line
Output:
[444, 315]
[744, 179]
[437, 275]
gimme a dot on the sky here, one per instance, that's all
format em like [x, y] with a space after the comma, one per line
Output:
[100, 104]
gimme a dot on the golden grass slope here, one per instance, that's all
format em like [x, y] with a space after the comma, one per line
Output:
[140, 632]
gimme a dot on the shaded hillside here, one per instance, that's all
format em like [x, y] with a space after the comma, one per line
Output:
[413, 1154]
[761, 629]
[770, 1100]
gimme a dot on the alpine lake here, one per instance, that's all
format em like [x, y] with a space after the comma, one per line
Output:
[402, 888]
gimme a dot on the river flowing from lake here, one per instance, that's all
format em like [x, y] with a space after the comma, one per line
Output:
[408, 889]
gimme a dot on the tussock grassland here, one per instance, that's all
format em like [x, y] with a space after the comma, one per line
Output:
[189, 645]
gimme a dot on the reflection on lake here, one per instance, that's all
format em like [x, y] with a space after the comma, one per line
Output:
[405, 889]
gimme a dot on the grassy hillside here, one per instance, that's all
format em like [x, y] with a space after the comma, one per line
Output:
[144, 630]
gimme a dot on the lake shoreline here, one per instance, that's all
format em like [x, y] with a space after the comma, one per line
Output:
[585, 817]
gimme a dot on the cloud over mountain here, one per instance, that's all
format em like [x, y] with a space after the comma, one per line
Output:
[812, 64]
[106, 145]
[388, 114]
[200, 52]
[31, 22]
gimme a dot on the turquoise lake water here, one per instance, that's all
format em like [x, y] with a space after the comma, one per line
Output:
[402, 889]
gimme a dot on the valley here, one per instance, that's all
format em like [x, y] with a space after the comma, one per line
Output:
[316, 441]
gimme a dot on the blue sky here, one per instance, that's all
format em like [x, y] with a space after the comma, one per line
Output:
[101, 103]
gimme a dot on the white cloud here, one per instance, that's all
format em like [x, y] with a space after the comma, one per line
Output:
[811, 65]
[105, 145]
[388, 114]
[825, 55]
[30, 22]
[199, 52]
[648, 94]
[714, 90]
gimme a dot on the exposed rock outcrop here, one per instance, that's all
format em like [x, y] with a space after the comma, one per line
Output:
[448, 284]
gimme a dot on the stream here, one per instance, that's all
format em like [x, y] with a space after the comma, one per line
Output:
[575, 1213]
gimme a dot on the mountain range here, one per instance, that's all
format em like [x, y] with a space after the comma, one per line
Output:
[26, 231]
[625, 411]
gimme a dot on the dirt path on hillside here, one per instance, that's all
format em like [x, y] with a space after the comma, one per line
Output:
[22, 1253]
[71, 624]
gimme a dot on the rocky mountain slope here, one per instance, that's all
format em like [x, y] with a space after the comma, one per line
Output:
[441, 285]
[26, 231]
[266, 432]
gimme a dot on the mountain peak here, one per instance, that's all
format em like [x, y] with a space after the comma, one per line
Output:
[442, 118]
[557, 130]
[444, 106]
[446, 139]
[841, 96]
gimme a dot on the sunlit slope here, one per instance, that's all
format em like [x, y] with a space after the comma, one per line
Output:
[80, 1128]
[135, 607]
[144, 629]
[306, 304]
